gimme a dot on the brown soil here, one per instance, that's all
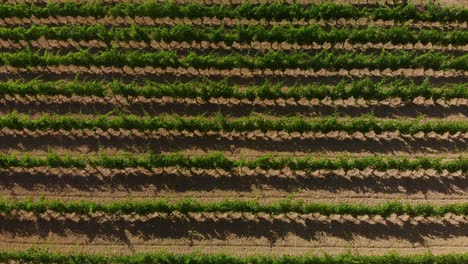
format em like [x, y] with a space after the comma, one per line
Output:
[66, 185]
[234, 147]
[153, 106]
[237, 236]
[233, 232]
[111, 21]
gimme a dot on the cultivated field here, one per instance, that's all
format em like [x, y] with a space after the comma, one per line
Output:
[269, 128]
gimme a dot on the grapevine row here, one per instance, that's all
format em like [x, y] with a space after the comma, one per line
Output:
[187, 205]
[241, 34]
[219, 122]
[46, 257]
[276, 11]
[219, 160]
[207, 89]
[237, 2]
[270, 60]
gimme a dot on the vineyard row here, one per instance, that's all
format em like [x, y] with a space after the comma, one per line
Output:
[207, 89]
[250, 206]
[38, 256]
[241, 34]
[219, 122]
[246, 10]
[235, 2]
[270, 60]
[219, 160]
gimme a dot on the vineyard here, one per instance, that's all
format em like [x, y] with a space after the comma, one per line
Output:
[233, 131]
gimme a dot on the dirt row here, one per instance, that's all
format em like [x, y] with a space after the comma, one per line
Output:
[240, 175]
[70, 44]
[231, 135]
[354, 186]
[451, 109]
[118, 100]
[287, 218]
[249, 144]
[239, 236]
[228, 22]
[369, 193]
[236, 72]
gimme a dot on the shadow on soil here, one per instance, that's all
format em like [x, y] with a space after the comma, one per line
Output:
[231, 147]
[121, 231]
[410, 110]
[138, 182]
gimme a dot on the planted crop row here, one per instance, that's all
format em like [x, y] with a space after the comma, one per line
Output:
[206, 89]
[38, 256]
[220, 122]
[245, 10]
[380, 3]
[270, 60]
[301, 35]
[218, 160]
[187, 205]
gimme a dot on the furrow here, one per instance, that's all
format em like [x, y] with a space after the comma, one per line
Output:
[283, 218]
[368, 186]
[250, 144]
[236, 72]
[53, 44]
[450, 109]
[282, 234]
[241, 173]
[228, 22]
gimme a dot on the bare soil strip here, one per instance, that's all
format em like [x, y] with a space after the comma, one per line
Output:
[235, 234]
[394, 107]
[242, 73]
[228, 22]
[52, 44]
[250, 144]
[210, 185]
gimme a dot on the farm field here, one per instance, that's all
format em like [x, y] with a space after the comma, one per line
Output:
[232, 131]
